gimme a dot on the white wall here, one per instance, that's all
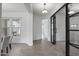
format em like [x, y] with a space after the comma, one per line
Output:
[26, 24]
[37, 27]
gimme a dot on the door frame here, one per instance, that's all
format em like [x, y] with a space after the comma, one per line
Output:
[53, 35]
[67, 47]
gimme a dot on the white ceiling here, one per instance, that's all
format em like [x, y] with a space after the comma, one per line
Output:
[13, 7]
[20, 7]
[38, 7]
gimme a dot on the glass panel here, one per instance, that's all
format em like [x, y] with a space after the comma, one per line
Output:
[74, 37]
[74, 23]
[74, 51]
[73, 8]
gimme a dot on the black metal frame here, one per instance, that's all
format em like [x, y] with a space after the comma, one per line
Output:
[67, 51]
[54, 25]
[53, 39]
[75, 14]
[74, 45]
[54, 29]
[68, 43]
[51, 29]
[67, 32]
[59, 9]
[67, 28]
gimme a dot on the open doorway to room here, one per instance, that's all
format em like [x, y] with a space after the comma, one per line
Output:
[11, 32]
[45, 29]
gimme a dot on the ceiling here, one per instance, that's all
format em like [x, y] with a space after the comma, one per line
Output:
[38, 7]
[20, 7]
[13, 7]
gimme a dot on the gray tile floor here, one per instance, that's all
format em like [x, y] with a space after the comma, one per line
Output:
[40, 48]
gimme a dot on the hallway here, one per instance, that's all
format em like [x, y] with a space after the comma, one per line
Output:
[32, 28]
[40, 48]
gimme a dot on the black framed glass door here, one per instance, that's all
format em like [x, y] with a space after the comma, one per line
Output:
[72, 29]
